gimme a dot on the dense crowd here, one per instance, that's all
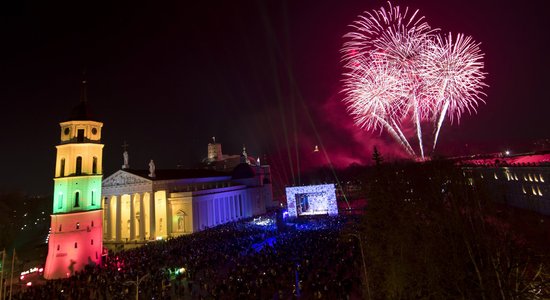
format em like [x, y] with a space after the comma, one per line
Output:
[311, 259]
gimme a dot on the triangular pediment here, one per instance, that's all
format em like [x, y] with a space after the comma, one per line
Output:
[121, 178]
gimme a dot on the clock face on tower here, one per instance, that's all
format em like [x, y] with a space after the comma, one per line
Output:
[66, 131]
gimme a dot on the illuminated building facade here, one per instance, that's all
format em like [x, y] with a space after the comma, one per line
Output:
[76, 235]
[144, 205]
[521, 181]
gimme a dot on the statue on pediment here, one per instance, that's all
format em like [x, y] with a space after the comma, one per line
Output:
[152, 169]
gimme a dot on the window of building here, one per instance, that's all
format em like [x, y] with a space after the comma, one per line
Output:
[60, 227]
[80, 136]
[77, 225]
[62, 168]
[94, 165]
[60, 201]
[92, 198]
[78, 169]
[75, 244]
[92, 223]
[541, 178]
[91, 242]
[58, 247]
[76, 199]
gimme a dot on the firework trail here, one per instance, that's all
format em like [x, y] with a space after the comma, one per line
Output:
[399, 69]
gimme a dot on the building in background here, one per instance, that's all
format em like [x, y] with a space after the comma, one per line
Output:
[216, 160]
[518, 180]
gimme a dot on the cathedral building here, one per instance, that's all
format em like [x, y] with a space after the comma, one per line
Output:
[76, 223]
[154, 204]
[135, 206]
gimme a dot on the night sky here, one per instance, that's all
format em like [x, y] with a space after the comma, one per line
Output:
[168, 77]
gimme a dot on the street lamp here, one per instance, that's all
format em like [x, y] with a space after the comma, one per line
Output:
[358, 236]
[136, 283]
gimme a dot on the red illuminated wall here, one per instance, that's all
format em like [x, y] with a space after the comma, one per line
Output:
[70, 248]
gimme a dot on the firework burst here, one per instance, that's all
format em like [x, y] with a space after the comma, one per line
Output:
[399, 69]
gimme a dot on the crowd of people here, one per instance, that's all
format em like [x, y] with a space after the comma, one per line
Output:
[309, 259]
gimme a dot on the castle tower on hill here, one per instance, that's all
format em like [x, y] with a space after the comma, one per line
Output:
[76, 234]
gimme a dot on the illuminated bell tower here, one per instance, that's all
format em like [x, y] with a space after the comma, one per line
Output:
[76, 234]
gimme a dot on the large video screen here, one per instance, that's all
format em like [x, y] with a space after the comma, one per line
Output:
[311, 200]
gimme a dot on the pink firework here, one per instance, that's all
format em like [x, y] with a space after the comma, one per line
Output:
[374, 98]
[399, 69]
[453, 71]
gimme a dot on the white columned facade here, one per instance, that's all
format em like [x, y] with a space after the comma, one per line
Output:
[161, 208]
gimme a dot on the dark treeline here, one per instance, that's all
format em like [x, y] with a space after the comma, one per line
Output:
[429, 234]
[24, 220]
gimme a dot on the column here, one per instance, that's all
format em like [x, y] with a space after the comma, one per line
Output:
[169, 217]
[152, 229]
[107, 216]
[233, 214]
[219, 202]
[141, 216]
[209, 212]
[229, 215]
[132, 219]
[224, 209]
[118, 218]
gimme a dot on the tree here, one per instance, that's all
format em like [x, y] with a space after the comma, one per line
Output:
[377, 157]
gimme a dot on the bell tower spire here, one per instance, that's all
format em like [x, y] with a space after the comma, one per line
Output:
[76, 236]
[83, 94]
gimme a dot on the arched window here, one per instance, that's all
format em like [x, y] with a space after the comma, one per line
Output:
[75, 245]
[94, 165]
[77, 225]
[78, 169]
[60, 201]
[62, 168]
[76, 199]
[58, 247]
[91, 242]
